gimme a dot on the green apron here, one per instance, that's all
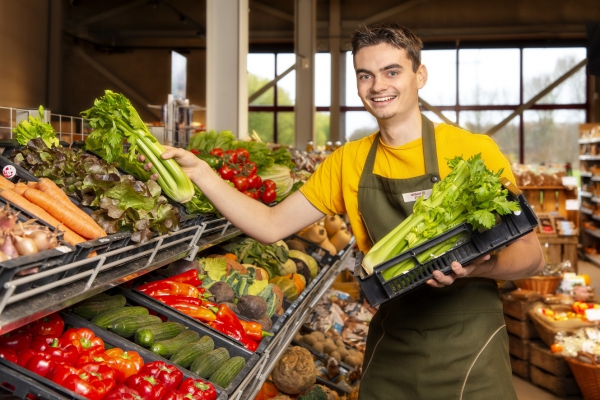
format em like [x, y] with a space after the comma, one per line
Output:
[433, 343]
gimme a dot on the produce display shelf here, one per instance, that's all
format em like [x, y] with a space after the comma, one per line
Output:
[589, 140]
[595, 233]
[585, 194]
[252, 383]
[585, 174]
[588, 157]
[73, 289]
[586, 210]
[594, 258]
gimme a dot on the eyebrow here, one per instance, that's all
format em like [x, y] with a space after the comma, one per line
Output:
[387, 67]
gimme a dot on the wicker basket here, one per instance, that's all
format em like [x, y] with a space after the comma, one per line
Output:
[587, 375]
[542, 284]
[547, 329]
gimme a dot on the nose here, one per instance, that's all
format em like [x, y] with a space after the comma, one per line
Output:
[378, 85]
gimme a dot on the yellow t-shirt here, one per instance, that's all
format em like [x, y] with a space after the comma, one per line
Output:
[333, 188]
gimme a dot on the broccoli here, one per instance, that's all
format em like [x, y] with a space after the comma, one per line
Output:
[215, 268]
[316, 393]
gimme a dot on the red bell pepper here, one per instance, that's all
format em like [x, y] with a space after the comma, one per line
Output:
[122, 392]
[177, 395]
[169, 300]
[190, 276]
[39, 363]
[8, 354]
[254, 330]
[62, 354]
[79, 381]
[94, 355]
[82, 338]
[196, 312]
[41, 343]
[147, 386]
[169, 375]
[199, 387]
[50, 325]
[167, 287]
[228, 323]
[17, 341]
[105, 375]
[125, 363]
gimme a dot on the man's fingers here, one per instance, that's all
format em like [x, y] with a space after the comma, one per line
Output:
[154, 177]
[459, 270]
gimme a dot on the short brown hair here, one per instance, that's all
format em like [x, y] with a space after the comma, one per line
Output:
[391, 33]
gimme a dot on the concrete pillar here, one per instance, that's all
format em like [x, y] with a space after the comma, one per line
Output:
[53, 93]
[226, 70]
[305, 40]
[336, 78]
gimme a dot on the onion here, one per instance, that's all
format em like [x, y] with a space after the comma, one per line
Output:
[25, 245]
[7, 246]
[7, 220]
[3, 257]
[42, 239]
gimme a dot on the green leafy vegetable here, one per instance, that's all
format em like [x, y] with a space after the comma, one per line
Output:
[215, 268]
[470, 193]
[34, 127]
[115, 120]
[283, 178]
[271, 257]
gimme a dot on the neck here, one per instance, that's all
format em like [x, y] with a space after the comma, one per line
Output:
[401, 130]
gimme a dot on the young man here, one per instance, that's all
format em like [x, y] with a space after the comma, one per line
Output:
[446, 340]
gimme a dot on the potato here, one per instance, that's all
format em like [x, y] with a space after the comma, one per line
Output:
[320, 335]
[352, 361]
[329, 347]
[310, 340]
[318, 346]
[343, 352]
[336, 355]
[330, 341]
[340, 343]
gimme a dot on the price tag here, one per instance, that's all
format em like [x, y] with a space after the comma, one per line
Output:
[572, 204]
[569, 181]
[9, 171]
[592, 314]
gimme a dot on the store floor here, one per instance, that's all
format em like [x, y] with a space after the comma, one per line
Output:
[528, 391]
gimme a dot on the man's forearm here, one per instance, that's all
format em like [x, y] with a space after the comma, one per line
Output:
[263, 223]
[521, 259]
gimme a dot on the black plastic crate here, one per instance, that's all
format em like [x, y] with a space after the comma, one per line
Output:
[22, 383]
[166, 312]
[322, 256]
[476, 244]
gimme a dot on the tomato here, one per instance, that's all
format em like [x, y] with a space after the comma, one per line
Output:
[240, 183]
[194, 151]
[242, 154]
[269, 184]
[556, 348]
[251, 168]
[269, 196]
[249, 193]
[254, 181]
[217, 151]
[226, 172]
[231, 156]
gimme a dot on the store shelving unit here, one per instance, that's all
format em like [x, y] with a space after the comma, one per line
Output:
[589, 196]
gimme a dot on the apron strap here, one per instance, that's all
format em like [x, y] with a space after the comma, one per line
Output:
[429, 149]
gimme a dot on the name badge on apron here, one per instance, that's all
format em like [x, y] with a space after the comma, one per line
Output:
[412, 197]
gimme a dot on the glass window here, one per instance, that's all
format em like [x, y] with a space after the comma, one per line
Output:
[263, 123]
[261, 70]
[451, 115]
[352, 98]
[541, 67]
[322, 128]
[286, 87]
[551, 136]
[441, 78]
[359, 124]
[286, 128]
[489, 76]
[323, 79]
[506, 138]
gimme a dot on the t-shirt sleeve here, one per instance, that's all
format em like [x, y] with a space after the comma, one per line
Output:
[324, 187]
[494, 159]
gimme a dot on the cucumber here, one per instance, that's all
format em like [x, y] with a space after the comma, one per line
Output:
[98, 304]
[187, 354]
[127, 326]
[103, 320]
[166, 348]
[205, 365]
[228, 371]
[148, 335]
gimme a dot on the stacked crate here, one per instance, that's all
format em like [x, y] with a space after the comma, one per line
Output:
[520, 329]
[551, 371]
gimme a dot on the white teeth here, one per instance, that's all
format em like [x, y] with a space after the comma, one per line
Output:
[383, 98]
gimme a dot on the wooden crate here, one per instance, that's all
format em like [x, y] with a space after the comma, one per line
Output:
[560, 248]
[522, 329]
[518, 347]
[519, 367]
[541, 356]
[551, 199]
[515, 307]
[561, 386]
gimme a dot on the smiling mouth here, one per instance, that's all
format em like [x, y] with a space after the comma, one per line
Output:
[382, 99]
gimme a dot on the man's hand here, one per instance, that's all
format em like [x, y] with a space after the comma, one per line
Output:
[188, 161]
[458, 271]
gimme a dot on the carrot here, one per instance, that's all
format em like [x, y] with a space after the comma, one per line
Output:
[5, 183]
[51, 189]
[20, 188]
[38, 212]
[32, 184]
[63, 214]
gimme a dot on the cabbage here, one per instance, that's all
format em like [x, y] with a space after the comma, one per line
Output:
[283, 178]
[310, 262]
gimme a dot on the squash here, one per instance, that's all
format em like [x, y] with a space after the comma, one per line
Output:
[333, 224]
[257, 272]
[340, 240]
[287, 286]
[299, 280]
[288, 267]
[315, 234]
[327, 245]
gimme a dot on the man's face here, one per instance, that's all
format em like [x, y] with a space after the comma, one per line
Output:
[387, 85]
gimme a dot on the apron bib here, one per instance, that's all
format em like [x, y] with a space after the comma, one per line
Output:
[447, 343]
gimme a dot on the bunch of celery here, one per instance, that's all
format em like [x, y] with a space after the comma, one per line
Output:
[470, 193]
[115, 120]
[34, 127]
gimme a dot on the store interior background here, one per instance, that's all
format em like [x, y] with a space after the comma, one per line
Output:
[65, 53]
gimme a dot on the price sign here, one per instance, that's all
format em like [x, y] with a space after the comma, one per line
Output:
[569, 181]
[592, 314]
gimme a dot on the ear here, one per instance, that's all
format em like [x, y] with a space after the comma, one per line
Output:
[421, 76]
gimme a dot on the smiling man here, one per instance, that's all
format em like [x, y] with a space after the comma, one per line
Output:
[446, 340]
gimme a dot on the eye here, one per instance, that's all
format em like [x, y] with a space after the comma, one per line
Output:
[363, 77]
[393, 73]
